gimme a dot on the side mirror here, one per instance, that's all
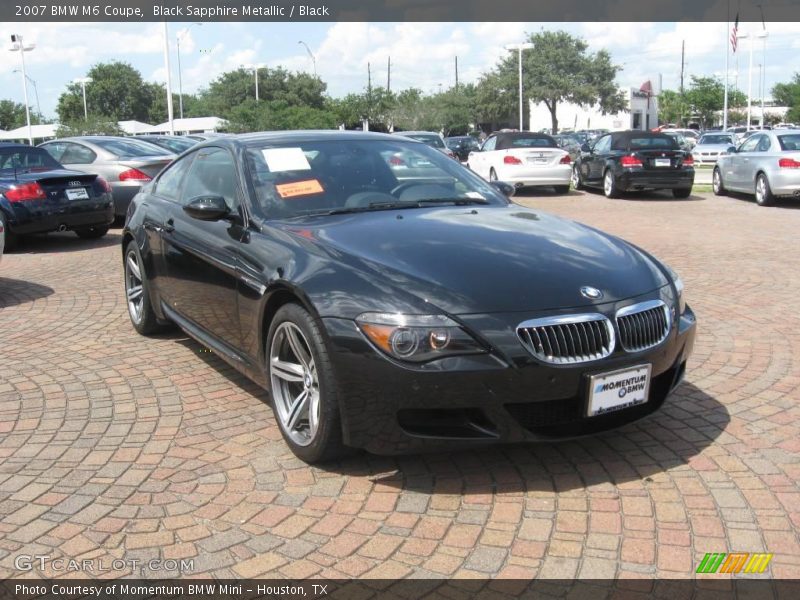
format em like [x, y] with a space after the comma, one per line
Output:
[207, 208]
[504, 188]
[732, 150]
[586, 148]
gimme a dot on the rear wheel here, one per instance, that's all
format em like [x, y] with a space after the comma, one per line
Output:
[303, 387]
[577, 180]
[764, 196]
[610, 188]
[92, 233]
[137, 293]
[11, 239]
[716, 182]
[681, 192]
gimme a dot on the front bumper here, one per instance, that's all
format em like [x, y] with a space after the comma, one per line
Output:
[387, 408]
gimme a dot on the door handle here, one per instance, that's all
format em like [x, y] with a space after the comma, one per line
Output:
[169, 226]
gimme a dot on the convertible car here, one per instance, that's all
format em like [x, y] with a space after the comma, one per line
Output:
[396, 308]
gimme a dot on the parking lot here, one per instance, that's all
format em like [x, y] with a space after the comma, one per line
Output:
[114, 446]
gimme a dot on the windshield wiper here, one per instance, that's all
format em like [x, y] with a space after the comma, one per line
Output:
[456, 201]
[398, 205]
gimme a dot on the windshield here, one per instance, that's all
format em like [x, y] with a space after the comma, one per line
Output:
[127, 147]
[432, 140]
[716, 139]
[320, 177]
[27, 159]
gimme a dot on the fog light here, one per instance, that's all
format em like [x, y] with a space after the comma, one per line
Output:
[404, 342]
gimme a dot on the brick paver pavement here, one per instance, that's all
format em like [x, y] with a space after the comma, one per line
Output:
[114, 446]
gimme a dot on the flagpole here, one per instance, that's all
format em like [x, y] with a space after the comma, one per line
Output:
[727, 53]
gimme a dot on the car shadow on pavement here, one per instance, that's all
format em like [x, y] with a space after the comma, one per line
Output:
[783, 202]
[14, 292]
[65, 241]
[647, 196]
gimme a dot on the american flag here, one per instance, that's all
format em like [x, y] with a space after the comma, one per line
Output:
[734, 33]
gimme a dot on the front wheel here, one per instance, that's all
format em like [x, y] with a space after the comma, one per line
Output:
[716, 182]
[92, 233]
[303, 387]
[610, 188]
[764, 196]
[137, 293]
[681, 192]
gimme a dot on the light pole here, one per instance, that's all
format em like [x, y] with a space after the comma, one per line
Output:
[254, 68]
[763, 37]
[83, 81]
[180, 77]
[35, 91]
[519, 48]
[751, 37]
[17, 45]
[311, 54]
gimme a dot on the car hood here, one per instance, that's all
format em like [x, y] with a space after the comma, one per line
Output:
[485, 259]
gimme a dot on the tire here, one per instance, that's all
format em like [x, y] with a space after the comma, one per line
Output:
[492, 174]
[92, 233]
[610, 188]
[716, 183]
[143, 317]
[764, 196]
[681, 192]
[12, 240]
[311, 426]
[577, 180]
[561, 189]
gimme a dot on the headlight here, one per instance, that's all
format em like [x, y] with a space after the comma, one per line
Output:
[679, 287]
[417, 338]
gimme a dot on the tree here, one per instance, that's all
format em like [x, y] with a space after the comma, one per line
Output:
[671, 107]
[559, 69]
[117, 91]
[12, 114]
[706, 96]
[788, 94]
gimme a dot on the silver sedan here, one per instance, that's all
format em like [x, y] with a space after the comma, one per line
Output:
[125, 163]
[766, 164]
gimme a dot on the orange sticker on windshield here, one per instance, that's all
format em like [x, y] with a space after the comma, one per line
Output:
[299, 188]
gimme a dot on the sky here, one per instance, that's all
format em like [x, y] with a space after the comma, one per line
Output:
[422, 54]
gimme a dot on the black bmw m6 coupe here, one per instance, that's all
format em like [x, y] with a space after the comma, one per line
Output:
[392, 300]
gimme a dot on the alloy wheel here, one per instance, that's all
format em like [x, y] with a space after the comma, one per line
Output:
[608, 183]
[716, 181]
[134, 289]
[761, 190]
[295, 384]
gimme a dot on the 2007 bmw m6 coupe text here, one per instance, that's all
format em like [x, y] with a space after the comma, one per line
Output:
[392, 300]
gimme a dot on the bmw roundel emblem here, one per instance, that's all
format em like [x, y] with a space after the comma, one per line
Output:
[591, 293]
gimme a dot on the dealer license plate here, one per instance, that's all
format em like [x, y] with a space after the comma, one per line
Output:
[662, 162]
[617, 390]
[536, 160]
[77, 194]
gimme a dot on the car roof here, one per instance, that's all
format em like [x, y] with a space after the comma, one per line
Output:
[14, 145]
[308, 135]
[416, 133]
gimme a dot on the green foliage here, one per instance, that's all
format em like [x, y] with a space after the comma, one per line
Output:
[117, 90]
[671, 107]
[706, 96]
[788, 94]
[557, 69]
[94, 125]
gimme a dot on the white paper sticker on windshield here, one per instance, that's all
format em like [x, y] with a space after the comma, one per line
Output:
[476, 195]
[285, 159]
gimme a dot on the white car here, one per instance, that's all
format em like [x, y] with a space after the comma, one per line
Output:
[523, 159]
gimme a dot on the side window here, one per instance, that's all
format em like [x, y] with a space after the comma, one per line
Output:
[763, 144]
[489, 144]
[75, 154]
[169, 182]
[55, 149]
[750, 144]
[603, 145]
[213, 173]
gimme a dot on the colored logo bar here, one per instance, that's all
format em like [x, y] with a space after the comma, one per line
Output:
[734, 562]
